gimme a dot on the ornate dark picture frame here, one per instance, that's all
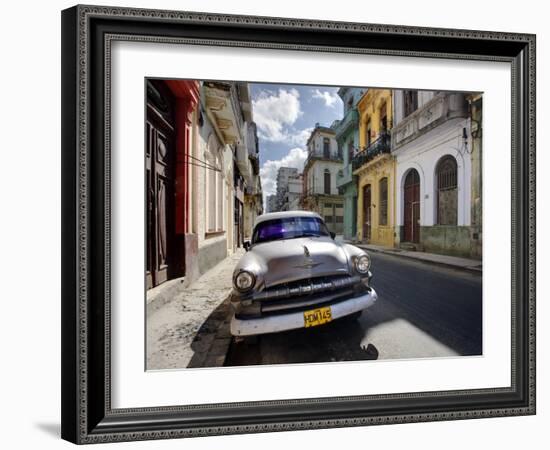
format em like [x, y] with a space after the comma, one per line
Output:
[87, 34]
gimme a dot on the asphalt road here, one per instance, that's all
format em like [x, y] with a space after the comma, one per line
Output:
[423, 311]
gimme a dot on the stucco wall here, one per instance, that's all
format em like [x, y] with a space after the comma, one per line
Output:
[398, 104]
[211, 249]
[316, 177]
[369, 109]
[384, 167]
[449, 240]
[423, 155]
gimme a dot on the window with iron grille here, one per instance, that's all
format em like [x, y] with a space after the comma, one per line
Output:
[447, 191]
[383, 201]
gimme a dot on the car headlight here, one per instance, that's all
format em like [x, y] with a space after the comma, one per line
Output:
[362, 264]
[244, 281]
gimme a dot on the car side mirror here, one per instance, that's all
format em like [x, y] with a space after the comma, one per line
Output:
[332, 234]
[246, 245]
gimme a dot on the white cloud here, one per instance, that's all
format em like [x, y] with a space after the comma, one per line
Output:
[268, 172]
[273, 113]
[330, 98]
[300, 137]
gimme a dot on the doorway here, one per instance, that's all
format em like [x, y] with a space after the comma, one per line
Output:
[412, 207]
[367, 211]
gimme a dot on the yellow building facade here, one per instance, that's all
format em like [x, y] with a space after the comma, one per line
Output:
[375, 168]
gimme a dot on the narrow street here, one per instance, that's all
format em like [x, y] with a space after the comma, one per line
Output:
[423, 311]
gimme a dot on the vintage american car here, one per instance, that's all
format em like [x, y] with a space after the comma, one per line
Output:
[295, 275]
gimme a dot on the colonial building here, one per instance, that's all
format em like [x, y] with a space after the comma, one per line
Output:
[283, 176]
[321, 168]
[433, 145]
[171, 131]
[294, 192]
[347, 136]
[476, 217]
[374, 167]
[253, 197]
[271, 203]
[249, 203]
[202, 176]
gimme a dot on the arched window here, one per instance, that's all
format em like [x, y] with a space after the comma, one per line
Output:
[447, 191]
[327, 182]
[383, 201]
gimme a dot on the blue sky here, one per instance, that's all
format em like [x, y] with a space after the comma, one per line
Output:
[285, 115]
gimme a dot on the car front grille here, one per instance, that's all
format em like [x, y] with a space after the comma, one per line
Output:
[308, 287]
[300, 295]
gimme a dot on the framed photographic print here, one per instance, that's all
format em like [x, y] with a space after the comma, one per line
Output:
[281, 224]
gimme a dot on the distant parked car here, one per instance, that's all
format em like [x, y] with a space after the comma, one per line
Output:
[295, 275]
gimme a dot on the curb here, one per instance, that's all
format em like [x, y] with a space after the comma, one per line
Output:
[219, 340]
[426, 261]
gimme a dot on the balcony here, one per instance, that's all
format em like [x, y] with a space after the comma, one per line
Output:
[380, 146]
[243, 162]
[348, 123]
[440, 109]
[319, 155]
[224, 109]
[345, 176]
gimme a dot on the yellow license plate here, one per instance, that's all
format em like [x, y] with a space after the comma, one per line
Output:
[318, 316]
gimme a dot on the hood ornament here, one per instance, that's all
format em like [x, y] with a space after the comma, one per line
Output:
[309, 263]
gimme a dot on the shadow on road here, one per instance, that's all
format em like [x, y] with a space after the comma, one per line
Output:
[337, 341]
[213, 338]
[445, 304]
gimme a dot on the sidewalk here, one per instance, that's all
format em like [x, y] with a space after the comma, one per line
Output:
[473, 265]
[192, 328]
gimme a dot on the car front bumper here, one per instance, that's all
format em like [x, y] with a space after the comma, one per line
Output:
[295, 320]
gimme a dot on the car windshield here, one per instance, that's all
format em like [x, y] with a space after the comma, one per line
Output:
[289, 228]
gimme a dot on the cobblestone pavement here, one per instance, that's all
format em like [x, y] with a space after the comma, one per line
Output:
[192, 330]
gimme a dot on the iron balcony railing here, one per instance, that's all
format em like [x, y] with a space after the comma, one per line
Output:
[380, 146]
[351, 119]
[320, 155]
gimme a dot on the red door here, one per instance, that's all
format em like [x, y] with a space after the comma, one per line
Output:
[366, 212]
[412, 207]
[160, 184]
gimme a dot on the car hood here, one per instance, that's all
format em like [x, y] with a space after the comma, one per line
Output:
[288, 260]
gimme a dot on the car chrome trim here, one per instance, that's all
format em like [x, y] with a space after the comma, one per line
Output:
[295, 320]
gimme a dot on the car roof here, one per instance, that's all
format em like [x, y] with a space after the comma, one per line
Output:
[285, 215]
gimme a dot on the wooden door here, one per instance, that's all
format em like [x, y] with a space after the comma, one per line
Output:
[160, 184]
[412, 207]
[367, 213]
